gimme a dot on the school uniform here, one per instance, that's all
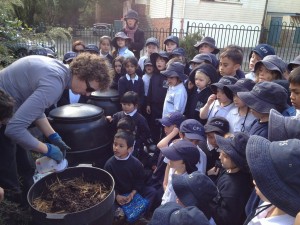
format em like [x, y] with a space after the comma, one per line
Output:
[68, 98]
[258, 128]
[216, 109]
[107, 56]
[125, 52]
[238, 123]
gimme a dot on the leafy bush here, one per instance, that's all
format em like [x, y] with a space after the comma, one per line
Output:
[188, 44]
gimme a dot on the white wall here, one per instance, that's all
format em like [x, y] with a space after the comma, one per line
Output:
[290, 6]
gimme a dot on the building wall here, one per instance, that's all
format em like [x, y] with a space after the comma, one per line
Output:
[290, 6]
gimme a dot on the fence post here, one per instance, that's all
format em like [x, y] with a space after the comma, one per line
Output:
[187, 28]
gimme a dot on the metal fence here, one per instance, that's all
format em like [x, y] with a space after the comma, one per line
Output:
[285, 38]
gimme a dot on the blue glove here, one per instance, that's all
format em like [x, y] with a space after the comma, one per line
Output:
[56, 140]
[54, 153]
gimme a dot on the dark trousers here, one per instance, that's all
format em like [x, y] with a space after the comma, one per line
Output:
[155, 126]
[16, 169]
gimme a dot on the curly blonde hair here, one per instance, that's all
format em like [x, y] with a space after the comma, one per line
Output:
[91, 67]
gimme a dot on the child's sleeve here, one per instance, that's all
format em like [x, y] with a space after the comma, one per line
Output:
[139, 176]
[180, 100]
[122, 86]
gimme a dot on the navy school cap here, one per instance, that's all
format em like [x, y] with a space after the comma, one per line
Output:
[162, 214]
[147, 61]
[295, 62]
[69, 56]
[92, 48]
[262, 50]
[193, 129]
[190, 215]
[152, 40]
[200, 58]
[209, 41]
[243, 84]
[217, 124]
[173, 38]
[177, 51]
[173, 118]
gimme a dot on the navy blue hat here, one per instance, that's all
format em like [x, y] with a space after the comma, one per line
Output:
[225, 80]
[155, 55]
[177, 51]
[120, 35]
[173, 118]
[69, 56]
[37, 50]
[235, 147]
[175, 69]
[282, 128]
[208, 70]
[214, 60]
[152, 40]
[195, 189]
[295, 62]
[263, 50]
[271, 62]
[188, 216]
[243, 84]
[193, 129]
[275, 169]
[147, 61]
[131, 14]
[200, 58]
[217, 124]
[265, 96]
[162, 214]
[92, 48]
[50, 53]
[210, 41]
[183, 150]
[172, 38]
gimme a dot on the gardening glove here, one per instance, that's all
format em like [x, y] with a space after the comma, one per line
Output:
[56, 140]
[54, 153]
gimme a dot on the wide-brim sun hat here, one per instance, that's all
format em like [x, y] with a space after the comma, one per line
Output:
[275, 169]
[209, 41]
[175, 69]
[241, 85]
[155, 55]
[162, 214]
[120, 35]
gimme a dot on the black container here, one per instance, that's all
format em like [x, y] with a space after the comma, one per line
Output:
[84, 128]
[108, 100]
[101, 213]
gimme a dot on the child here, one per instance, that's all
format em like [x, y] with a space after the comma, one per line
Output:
[234, 182]
[219, 126]
[224, 104]
[91, 48]
[183, 156]
[240, 118]
[134, 32]
[195, 189]
[200, 59]
[257, 54]
[131, 81]
[171, 42]
[269, 69]
[121, 42]
[294, 64]
[129, 103]
[68, 57]
[126, 170]
[294, 80]
[152, 45]
[261, 99]
[176, 96]
[78, 46]
[274, 167]
[201, 78]
[172, 213]
[157, 92]
[230, 61]
[119, 71]
[105, 47]
[149, 69]
[207, 45]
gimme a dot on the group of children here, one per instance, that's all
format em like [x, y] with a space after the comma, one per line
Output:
[194, 138]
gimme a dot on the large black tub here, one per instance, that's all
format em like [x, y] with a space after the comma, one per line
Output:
[100, 214]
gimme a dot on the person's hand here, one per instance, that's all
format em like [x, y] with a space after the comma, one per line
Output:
[121, 200]
[1, 194]
[211, 99]
[213, 171]
[54, 153]
[109, 118]
[56, 140]
[148, 109]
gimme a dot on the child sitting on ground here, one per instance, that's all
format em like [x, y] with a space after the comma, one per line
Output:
[218, 104]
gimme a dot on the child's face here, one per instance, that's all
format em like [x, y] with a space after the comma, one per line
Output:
[260, 116]
[205, 48]
[295, 95]
[120, 148]
[173, 81]
[222, 98]
[227, 67]
[169, 129]
[211, 139]
[226, 161]
[151, 48]
[105, 46]
[170, 46]
[178, 164]
[253, 60]
[238, 102]
[118, 67]
[130, 68]
[149, 69]
[160, 63]
[128, 107]
[121, 42]
[263, 74]
[201, 80]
